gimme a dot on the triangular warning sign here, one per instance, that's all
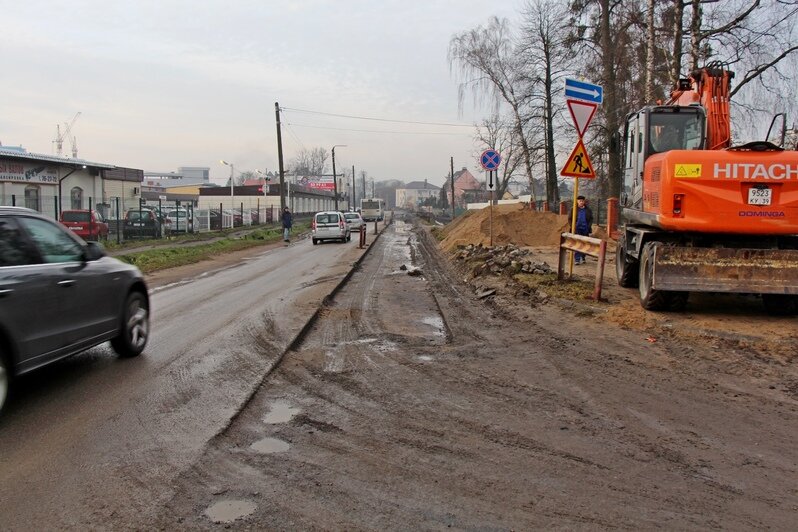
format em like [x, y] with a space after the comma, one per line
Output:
[681, 170]
[578, 164]
[582, 113]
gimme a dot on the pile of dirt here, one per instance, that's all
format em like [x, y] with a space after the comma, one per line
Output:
[512, 224]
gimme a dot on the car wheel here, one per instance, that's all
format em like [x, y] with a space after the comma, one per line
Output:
[134, 326]
[5, 380]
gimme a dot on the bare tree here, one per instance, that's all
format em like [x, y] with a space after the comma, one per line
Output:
[548, 59]
[607, 33]
[487, 63]
[499, 134]
[757, 40]
[309, 161]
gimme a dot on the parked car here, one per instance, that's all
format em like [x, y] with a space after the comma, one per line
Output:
[178, 221]
[60, 295]
[238, 217]
[141, 222]
[329, 225]
[354, 221]
[88, 225]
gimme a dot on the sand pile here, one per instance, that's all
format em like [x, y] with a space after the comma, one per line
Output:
[512, 224]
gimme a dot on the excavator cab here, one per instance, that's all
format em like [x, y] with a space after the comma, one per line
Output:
[655, 130]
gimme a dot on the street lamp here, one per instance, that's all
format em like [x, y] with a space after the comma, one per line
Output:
[335, 178]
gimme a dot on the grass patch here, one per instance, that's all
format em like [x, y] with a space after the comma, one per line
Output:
[165, 256]
[573, 289]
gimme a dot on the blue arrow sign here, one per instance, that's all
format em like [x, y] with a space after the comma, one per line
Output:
[490, 159]
[581, 90]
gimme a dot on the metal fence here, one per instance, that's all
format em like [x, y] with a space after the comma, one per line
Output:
[183, 217]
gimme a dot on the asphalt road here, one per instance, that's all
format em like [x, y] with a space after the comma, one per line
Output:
[95, 441]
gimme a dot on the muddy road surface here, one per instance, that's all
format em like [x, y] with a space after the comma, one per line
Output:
[412, 405]
[95, 442]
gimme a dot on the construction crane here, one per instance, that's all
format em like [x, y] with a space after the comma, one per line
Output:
[59, 138]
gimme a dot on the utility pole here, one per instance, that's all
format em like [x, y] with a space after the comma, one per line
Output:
[335, 177]
[451, 162]
[354, 193]
[280, 158]
[363, 175]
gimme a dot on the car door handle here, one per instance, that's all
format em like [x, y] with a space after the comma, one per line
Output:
[66, 282]
[6, 291]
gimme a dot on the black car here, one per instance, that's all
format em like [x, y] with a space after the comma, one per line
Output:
[60, 295]
[141, 222]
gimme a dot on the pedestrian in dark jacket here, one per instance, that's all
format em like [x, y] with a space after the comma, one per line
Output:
[584, 224]
[288, 221]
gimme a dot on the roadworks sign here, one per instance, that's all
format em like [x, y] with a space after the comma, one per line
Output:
[579, 164]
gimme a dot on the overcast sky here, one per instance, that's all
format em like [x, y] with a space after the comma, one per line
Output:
[169, 83]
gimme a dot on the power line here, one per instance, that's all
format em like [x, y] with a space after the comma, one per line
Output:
[379, 131]
[375, 119]
[296, 138]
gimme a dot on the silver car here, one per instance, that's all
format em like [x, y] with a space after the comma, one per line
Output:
[60, 296]
[354, 221]
[178, 221]
[329, 225]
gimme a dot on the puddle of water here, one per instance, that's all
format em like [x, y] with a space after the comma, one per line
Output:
[270, 445]
[280, 412]
[230, 510]
[425, 358]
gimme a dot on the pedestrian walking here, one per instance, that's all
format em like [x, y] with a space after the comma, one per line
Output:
[288, 221]
[584, 224]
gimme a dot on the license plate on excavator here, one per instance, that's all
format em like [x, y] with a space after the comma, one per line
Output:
[759, 195]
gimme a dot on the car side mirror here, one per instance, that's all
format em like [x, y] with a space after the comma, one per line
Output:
[93, 251]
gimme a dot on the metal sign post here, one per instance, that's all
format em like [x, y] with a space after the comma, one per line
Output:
[490, 160]
[583, 100]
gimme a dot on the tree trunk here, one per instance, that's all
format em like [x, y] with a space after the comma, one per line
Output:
[676, 64]
[611, 186]
[695, 35]
[519, 128]
[552, 187]
[649, 92]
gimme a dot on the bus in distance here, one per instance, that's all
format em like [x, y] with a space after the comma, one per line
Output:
[372, 209]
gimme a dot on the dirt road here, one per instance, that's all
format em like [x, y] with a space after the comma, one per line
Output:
[413, 405]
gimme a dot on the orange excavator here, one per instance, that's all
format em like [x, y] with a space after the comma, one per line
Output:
[701, 215]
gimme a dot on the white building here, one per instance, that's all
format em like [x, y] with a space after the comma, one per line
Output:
[412, 195]
[50, 184]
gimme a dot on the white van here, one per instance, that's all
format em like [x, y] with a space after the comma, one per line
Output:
[329, 225]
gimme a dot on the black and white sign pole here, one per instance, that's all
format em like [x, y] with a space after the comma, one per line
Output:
[490, 186]
[490, 160]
